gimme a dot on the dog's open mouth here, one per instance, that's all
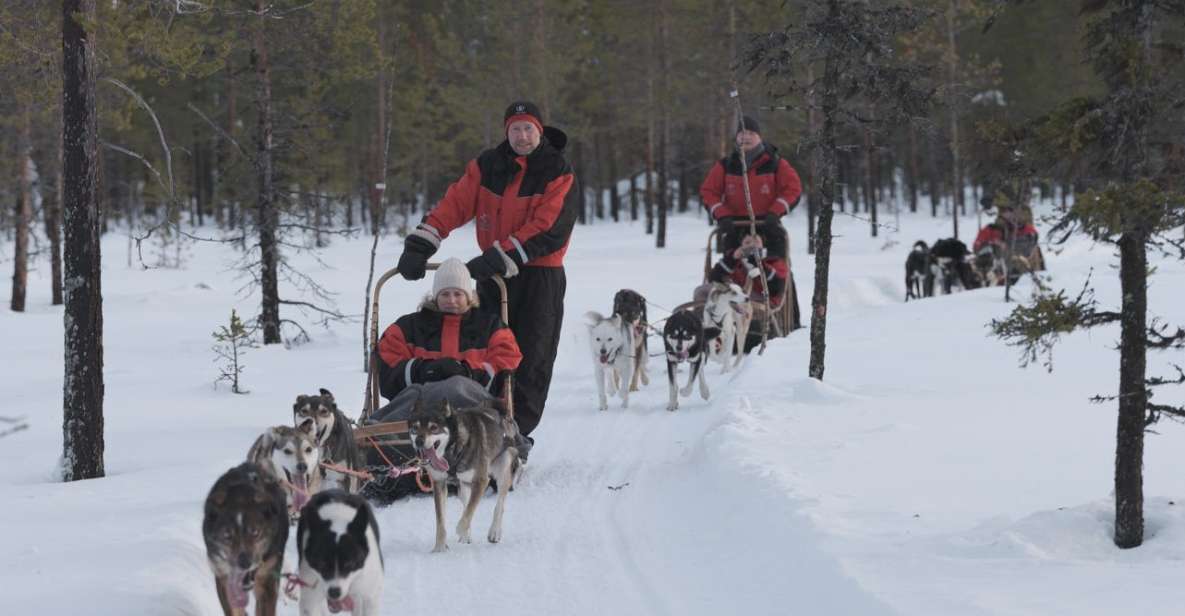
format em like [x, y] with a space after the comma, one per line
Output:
[429, 455]
[239, 584]
[300, 490]
[343, 604]
[604, 357]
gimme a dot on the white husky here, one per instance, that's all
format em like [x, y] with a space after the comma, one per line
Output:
[727, 313]
[611, 341]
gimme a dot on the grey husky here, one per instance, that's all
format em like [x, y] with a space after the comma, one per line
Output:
[245, 528]
[331, 429]
[473, 445]
[293, 458]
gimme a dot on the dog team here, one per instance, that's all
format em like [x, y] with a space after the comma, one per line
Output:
[309, 474]
[716, 328]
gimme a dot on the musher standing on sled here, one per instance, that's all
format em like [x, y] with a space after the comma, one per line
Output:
[773, 185]
[523, 197]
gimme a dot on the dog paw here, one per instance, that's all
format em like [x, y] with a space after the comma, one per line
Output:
[672, 407]
[604, 406]
[495, 535]
[463, 535]
[441, 547]
[686, 391]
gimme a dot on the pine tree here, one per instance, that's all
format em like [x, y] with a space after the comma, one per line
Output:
[233, 340]
[1126, 144]
[854, 42]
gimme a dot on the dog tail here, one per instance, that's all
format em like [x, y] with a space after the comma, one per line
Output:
[920, 246]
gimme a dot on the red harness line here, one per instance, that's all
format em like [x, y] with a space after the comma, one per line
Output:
[399, 471]
[363, 475]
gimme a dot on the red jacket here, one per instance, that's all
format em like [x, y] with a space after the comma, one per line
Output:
[994, 233]
[476, 338]
[526, 204]
[773, 186]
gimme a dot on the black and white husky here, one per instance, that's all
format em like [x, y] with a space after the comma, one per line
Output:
[611, 340]
[919, 279]
[341, 564]
[683, 337]
[331, 429]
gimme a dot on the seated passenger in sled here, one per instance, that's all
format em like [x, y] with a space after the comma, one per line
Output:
[1009, 244]
[446, 350]
[740, 266]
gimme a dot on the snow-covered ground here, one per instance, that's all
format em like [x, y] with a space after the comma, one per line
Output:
[928, 474]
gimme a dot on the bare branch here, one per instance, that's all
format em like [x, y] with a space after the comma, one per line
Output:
[219, 130]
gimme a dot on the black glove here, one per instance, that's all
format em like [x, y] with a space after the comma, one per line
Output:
[487, 264]
[724, 225]
[427, 371]
[416, 251]
[771, 220]
[481, 376]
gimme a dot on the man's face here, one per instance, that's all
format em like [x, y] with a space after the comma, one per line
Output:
[747, 140]
[523, 137]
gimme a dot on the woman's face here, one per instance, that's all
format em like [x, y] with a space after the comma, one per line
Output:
[453, 301]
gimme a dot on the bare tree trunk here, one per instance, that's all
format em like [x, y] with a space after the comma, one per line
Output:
[23, 217]
[933, 179]
[952, 66]
[664, 179]
[684, 192]
[1133, 393]
[378, 162]
[614, 196]
[870, 181]
[82, 404]
[581, 197]
[913, 170]
[266, 215]
[827, 157]
[633, 196]
[53, 230]
[224, 154]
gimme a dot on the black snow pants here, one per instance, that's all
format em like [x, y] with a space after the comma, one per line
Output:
[536, 311]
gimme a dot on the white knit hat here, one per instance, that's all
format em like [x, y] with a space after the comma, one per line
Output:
[452, 274]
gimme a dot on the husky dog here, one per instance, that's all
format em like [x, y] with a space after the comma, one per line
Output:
[683, 337]
[949, 266]
[612, 341]
[919, 280]
[631, 307]
[472, 444]
[331, 429]
[725, 306]
[245, 528]
[293, 458]
[337, 541]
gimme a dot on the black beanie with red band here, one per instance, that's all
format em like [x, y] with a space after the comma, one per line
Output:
[522, 111]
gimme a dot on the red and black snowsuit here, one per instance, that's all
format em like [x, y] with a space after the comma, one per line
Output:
[774, 188]
[997, 233]
[525, 208]
[477, 339]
